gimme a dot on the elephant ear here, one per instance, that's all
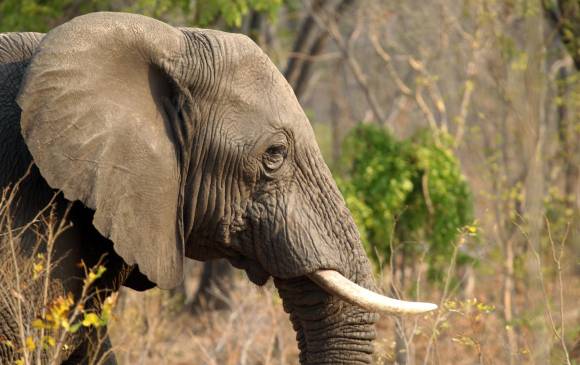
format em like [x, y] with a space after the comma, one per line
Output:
[94, 122]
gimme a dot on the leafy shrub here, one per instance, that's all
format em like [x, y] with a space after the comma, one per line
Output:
[405, 192]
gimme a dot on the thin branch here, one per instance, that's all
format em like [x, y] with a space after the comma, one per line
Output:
[548, 308]
[345, 46]
[558, 261]
[444, 297]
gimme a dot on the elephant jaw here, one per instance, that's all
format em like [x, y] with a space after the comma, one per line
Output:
[337, 285]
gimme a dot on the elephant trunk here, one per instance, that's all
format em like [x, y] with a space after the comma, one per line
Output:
[321, 270]
[328, 330]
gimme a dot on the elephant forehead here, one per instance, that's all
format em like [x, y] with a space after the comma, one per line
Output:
[267, 114]
[260, 97]
[253, 95]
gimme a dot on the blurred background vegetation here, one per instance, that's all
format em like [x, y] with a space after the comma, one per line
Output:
[452, 128]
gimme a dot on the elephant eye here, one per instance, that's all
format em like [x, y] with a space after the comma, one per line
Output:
[274, 157]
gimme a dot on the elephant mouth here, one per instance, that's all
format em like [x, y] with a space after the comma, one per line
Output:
[255, 271]
[335, 284]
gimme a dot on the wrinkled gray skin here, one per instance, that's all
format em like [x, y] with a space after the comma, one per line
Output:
[176, 142]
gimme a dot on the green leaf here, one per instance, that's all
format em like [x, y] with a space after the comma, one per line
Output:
[405, 191]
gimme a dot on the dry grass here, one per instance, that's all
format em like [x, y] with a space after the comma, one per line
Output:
[154, 327]
[41, 323]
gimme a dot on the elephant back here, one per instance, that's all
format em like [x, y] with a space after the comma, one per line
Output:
[16, 50]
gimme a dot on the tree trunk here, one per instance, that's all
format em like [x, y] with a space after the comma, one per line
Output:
[337, 111]
[215, 286]
[309, 43]
[535, 95]
[507, 298]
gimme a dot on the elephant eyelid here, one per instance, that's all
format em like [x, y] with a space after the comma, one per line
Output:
[278, 149]
[274, 157]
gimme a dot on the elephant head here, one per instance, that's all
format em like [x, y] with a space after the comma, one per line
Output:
[189, 142]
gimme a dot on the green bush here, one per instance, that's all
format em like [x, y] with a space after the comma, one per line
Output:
[409, 192]
[42, 15]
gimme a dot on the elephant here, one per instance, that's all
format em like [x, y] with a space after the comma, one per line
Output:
[159, 143]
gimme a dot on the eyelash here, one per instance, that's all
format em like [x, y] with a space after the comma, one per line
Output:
[274, 157]
[276, 149]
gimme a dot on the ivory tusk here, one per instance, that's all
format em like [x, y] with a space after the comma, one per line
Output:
[336, 284]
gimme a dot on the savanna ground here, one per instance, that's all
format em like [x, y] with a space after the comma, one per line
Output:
[155, 328]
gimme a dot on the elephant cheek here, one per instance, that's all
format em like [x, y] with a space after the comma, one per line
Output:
[290, 239]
